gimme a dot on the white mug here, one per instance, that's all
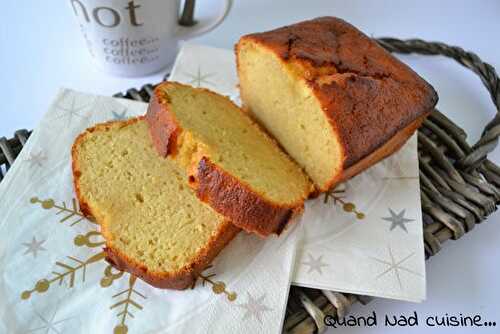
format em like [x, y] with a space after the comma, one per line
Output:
[138, 37]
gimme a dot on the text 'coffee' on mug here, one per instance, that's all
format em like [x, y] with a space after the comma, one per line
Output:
[139, 37]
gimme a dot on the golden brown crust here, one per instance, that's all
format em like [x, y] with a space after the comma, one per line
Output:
[163, 127]
[232, 198]
[367, 94]
[181, 279]
[226, 194]
[389, 147]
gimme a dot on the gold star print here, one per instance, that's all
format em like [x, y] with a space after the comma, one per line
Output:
[34, 247]
[200, 79]
[395, 266]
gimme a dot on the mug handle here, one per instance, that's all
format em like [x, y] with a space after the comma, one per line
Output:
[189, 28]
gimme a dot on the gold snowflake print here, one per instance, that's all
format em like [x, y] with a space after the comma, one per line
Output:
[73, 269]
[338, 196]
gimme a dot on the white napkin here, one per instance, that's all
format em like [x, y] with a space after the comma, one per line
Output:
[45, 241]
[367, 239]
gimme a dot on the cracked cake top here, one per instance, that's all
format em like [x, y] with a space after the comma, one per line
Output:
[362, 88]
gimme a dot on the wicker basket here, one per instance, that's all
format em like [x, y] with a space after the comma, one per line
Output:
[459, 185]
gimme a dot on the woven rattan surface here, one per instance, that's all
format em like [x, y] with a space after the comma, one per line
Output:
[459, 186]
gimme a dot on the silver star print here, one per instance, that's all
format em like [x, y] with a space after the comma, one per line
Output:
[34, 247]
[254, 307]
[71, 109]
[119, 116]
[49, 324]
[315, 264]
[37, 158]
[398, 220]
[200, 79]
[395, 266]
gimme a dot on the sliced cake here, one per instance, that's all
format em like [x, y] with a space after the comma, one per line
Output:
[334, 99]
[154, 225]
[231, 163]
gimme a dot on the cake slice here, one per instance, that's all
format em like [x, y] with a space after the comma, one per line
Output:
[231, 163]
[154, 225]
[331, 96]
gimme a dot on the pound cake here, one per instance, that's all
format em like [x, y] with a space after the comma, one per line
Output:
[154, 225]
[332, 97]
[231, 163]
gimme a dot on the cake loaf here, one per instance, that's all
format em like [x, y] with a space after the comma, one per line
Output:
[231, 163]
[154, 225]
[332, 97]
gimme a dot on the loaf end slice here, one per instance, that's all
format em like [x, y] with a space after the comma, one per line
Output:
[231, 163]
[334, 99]
[153, 224]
